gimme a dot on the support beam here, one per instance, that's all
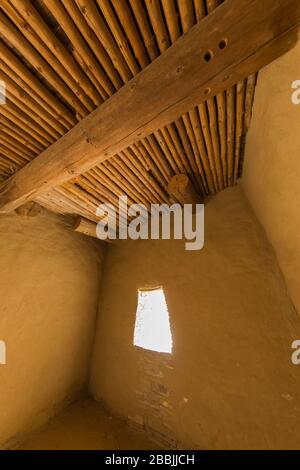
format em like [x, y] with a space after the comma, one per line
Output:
[182, 190]
[30, 209]
[86, 227]
[234, 41]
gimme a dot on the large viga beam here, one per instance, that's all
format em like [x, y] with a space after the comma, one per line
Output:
[235, 40]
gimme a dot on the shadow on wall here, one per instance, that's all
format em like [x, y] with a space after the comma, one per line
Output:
[272, 164]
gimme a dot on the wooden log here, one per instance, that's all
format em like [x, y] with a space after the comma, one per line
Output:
[61, 201]
[155, 151]
[167, 154]
[90, 11]
[189, 142]
[127, 21]
[11, 112]
[118, 34]
[199, 7]
[118, 178]
[26, 48]
[182, 190]
[15, 145]
[179, 141]
[11, 154]
[16, 86]
[92, 40]
[59, 12]
[143, 23]
[251, 81]
[158, 25]
[66, 66]
[34, 87]
[213, 126]
[202, 108]
[195, 121]
[221, 105]
[19, 134]
[240, 106]
[193, 69]
[186, 11]
[171, 19]
[150, 163]
[230, 98]
[86, 227]
[31, 115]
[184, 125]
[30, 209]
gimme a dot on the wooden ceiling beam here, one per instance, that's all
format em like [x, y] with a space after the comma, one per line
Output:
[181, 190]
[225, 47]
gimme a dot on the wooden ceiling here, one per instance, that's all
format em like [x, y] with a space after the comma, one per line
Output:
[61, 59]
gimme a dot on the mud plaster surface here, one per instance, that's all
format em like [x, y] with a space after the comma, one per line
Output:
[86, 426]
[49, 290]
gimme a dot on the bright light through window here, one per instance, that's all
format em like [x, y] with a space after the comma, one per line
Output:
[152, 325]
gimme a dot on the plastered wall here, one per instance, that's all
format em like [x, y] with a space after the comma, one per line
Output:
[49, 289]
[271, 176]
[229, 382]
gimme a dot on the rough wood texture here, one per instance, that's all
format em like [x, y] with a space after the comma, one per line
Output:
[30, 209]
[182, 190]
[87, 227]
[184, 75]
